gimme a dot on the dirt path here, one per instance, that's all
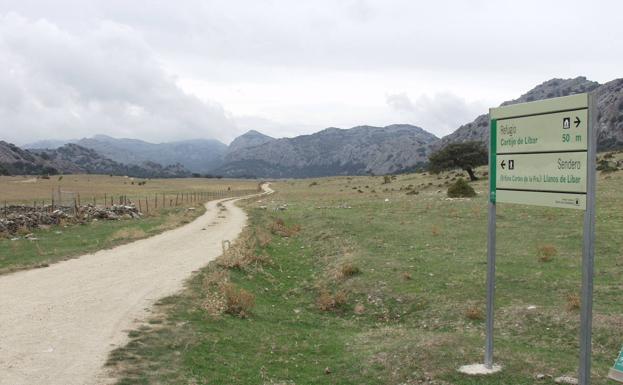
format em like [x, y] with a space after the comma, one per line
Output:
[58, 324]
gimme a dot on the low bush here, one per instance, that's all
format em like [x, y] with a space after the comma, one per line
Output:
[461, 189]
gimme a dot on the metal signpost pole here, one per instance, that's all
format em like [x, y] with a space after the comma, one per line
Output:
[491, 249]
[588, 252]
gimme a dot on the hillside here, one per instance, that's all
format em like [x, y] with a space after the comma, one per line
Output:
[198, 155]
[16, 161]
[609, 103]
[74, 159]
[333, 151]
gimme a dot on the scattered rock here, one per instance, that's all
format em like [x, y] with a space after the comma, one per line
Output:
[327, 370]
[566, 380]
[18, 217]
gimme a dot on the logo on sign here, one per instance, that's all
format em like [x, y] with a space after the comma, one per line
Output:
[511, 164]
[566, 123]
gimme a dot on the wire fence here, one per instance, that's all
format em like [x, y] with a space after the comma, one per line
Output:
[70, 201]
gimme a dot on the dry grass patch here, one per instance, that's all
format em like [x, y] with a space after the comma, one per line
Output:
[243, 254]
[435, 230]
[132, 233]
[546, 252]
[238, 301]
[263, 237]
[278, 227]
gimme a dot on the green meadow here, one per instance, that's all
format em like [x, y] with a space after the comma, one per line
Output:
[354, 280]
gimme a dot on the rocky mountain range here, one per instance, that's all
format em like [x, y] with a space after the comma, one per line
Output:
[609, 105]
[74, 159]
[333, 151]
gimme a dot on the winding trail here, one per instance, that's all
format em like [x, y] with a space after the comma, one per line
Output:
[58, 324]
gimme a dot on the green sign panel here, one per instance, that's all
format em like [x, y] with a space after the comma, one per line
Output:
[616, 373]
[539, 152]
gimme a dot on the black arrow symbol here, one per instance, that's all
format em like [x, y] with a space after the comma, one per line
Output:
[577, 121]
[503, 164]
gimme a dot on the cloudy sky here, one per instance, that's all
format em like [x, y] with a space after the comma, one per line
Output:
[173, 70]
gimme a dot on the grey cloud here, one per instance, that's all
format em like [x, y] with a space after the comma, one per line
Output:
[442, 113]
[105, 80]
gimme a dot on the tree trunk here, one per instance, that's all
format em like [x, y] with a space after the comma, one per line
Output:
[472, 176]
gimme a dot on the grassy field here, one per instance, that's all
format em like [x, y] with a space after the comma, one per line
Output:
[55, 243]
[384, 283]
[27, 189]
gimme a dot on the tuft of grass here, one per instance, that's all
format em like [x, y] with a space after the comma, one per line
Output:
[328, 301]
[348, 270]
[474, 313]
[546, 252]
[127, 234]
[243, 254]
[573, 302]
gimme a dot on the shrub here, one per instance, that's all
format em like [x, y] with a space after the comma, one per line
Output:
[238, 301]
[461, 189]
[546, 252]
[387, 179]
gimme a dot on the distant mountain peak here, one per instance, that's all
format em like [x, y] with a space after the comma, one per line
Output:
[609, 104]
[250, 138]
